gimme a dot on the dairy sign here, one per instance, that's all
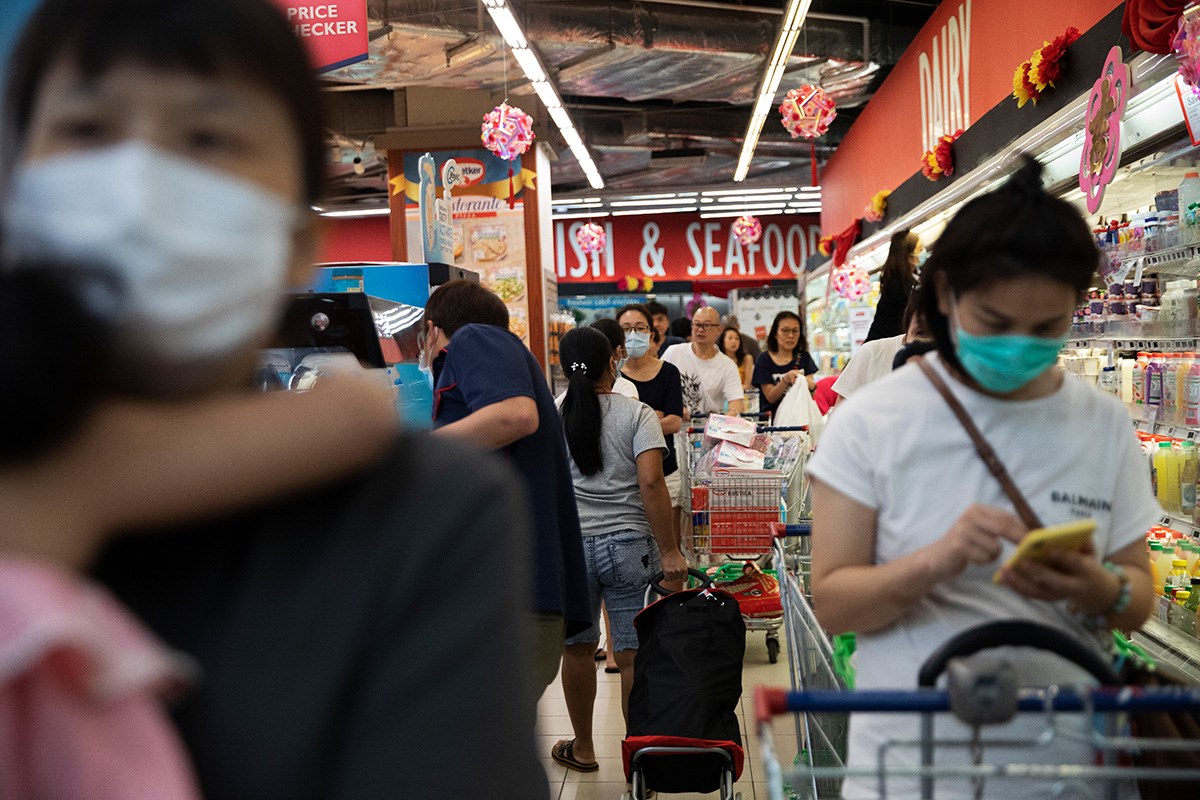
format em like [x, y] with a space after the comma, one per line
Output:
[684, 247]
[333, 31]
[944, 70]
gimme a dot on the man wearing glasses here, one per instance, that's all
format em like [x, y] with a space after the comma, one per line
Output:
[710, 379]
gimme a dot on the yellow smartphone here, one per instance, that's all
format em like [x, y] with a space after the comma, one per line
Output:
[1037, 544]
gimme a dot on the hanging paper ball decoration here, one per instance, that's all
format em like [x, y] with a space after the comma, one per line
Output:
[747, 229]
[851, 282]
[808, 112]
[591, 237]
[507, 131]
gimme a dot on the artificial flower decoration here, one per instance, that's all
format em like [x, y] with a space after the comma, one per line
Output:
[938, 163]
[877, 207]
[807, 112]
[591, 237]
[1044, 67]
[1186, 46]
[647, 284]
[1102, 142]
[747, 229]
[1151, 23]
[825, 245]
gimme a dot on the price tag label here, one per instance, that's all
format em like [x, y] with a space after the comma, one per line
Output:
[1166, 521]
[1191, 436]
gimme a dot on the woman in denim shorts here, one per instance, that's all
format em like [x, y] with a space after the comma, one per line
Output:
[617, 447]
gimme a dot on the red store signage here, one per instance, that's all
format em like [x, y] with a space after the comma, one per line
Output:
[684, 247]
[334, 31]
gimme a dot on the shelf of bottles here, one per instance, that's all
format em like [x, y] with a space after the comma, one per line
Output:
[1168, 644]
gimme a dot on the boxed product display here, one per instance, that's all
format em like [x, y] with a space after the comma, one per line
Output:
[730, 429]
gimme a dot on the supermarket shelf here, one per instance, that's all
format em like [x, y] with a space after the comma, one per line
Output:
[1171, 647]
[1128, 341]
[1181, 524]
[1170, 256]
[1189, 433]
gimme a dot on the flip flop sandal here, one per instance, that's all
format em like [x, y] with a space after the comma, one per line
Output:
[601, 654]
[563, 753]
[612, 670]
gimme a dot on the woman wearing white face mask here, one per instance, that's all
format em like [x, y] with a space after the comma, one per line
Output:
[911, 525]
[658, 386]
[183, 152]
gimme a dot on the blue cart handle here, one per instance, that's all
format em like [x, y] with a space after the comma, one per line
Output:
[770, 702]
[780, 531]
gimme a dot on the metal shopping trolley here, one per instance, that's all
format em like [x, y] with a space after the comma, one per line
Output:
[733, 509]
[816, 661]
[981, 691]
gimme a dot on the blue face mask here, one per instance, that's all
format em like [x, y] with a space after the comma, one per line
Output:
[1003, 364]
[921, 259]
[636, 344]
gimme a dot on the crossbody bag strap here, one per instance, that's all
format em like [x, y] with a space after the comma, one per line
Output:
[993, 462]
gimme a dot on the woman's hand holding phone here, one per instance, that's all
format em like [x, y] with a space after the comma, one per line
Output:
[975, 538]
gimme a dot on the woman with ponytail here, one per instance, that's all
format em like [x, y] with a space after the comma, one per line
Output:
[617, 447]
[912, 530]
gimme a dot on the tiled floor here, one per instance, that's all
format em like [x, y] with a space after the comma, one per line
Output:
[609, 782]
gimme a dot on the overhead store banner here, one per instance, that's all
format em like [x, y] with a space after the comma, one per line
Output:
[684, 247]
[334, 31]
[957, 69]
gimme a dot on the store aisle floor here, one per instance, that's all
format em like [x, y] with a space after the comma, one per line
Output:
[609, 782]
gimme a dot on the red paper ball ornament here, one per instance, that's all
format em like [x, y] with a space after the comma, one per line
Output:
[591, 237]
[807, 112]
[747, 229]
[507, 131]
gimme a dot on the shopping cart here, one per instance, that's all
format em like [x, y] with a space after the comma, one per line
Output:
[982, 690]
[816, 661]
[732, 511]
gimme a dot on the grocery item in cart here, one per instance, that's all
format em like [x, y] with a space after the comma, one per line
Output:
[730, 429]
[735, 456]
[756, 592]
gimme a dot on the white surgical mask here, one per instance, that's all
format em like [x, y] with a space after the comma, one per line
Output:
[637, 344]
[202, 256]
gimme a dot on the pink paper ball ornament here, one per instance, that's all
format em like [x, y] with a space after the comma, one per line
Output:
[807, 112]
[747, 229]
[851, 282]
[591, 237]
[507, 132]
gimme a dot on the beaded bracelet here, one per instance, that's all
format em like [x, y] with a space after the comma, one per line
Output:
[1102, 621]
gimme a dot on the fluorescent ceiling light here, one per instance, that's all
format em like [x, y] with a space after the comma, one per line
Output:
[721, 192]
[581, 215]
[793, 19]
[760, 198]
[546, 93]
[810, 189]
[676, 210]
[572, 138]
[508, 26]
[727, 214]
[529, 62]
[358, 212]
[649, 196]
[586, 201]
[673, 201]
[531, 65]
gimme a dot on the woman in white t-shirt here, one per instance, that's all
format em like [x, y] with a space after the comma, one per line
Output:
[910, 525]
[616, 445]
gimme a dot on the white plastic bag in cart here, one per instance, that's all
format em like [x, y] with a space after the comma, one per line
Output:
[799, 408]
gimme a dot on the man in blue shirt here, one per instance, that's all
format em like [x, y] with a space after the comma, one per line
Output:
[490, 391]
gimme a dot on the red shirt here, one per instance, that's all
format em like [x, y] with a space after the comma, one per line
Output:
[824, 394]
